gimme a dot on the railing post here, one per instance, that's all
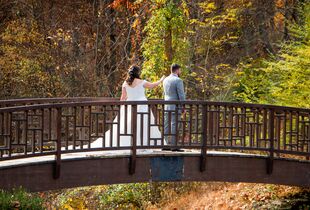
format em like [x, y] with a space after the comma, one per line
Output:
[203, 156]
[58, 144]
[271, 141]
[132, 160]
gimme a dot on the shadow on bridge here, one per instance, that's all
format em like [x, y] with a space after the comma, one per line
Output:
[45, 144]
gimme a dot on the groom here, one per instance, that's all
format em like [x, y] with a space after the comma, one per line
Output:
[174, 91]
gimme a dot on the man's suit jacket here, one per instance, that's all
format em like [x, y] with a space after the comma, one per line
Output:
[174, 90]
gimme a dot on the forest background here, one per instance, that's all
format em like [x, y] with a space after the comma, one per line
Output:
[238, 50]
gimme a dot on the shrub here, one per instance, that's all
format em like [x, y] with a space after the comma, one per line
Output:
[19, 199]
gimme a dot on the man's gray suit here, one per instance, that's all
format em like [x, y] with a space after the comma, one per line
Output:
[174, 91]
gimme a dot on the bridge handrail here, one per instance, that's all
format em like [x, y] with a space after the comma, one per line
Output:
[30, 101]
[112, 101]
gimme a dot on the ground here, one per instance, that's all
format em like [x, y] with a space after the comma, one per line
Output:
[212, 195]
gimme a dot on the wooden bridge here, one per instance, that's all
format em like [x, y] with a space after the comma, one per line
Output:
[46, 144]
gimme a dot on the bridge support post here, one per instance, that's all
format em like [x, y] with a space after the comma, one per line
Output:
[203, 156]
[271, 142]
[132, 159]
[58, 144]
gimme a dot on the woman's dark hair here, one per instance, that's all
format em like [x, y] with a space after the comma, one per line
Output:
[133, 72]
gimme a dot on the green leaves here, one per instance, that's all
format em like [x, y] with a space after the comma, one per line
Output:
[19, 199]
[290, 76]
[165, 30]
[284, 80]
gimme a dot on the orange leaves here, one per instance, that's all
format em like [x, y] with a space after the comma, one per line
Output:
[120, 4]
[279, 20]
[280, 3]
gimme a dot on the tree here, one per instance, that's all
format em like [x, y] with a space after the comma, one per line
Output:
[165, 41]
[282, 79]
[25, 62]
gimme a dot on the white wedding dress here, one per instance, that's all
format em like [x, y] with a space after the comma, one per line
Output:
[136, 93]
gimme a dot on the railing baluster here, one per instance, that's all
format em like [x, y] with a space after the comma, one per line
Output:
[10, 132]
[104, 120]
[218, 124]
[210, 125]
[132, 161]
[190, 125]
[197, 124]
[271, 142]
[74, 127]
[297, 132]
[278, 132]
[111, 126]
[230, 131]
[257, 113]
[26, 136]
[205, 136]
[243, 126]
[308, 156]
[42, 132]
[118, 136]
[50, 138]
[162, 116]
[58, 144]
[284, 130]
[2, 134]
[149, 110]
[176, 129]
[89, 126]
[67, 131]
[126, 118]
[183, 125]
[141, 115]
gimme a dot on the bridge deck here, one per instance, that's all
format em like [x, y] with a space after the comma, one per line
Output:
[115, 154]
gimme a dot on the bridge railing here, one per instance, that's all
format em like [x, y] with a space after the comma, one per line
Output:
[32, 101]
[80, 126]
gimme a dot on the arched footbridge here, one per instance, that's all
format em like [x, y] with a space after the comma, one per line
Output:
[48, 144]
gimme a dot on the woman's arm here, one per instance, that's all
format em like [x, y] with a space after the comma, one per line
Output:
[124, 94]
[151, 85]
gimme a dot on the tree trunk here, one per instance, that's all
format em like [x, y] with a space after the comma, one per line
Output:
[168, 48]
[265, 13]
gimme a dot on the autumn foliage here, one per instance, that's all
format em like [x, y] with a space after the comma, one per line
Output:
[83, 48]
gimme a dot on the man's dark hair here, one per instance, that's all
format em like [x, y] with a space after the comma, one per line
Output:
[175, 67]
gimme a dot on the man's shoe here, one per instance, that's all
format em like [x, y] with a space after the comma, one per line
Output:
[177, 150]
[166, 149]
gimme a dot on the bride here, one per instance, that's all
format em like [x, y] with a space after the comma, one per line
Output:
[133, 89]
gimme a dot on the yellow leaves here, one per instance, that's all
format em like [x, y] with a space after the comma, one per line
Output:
[185, 9]
[25, 60]
[159, 2]
[208, 7]
[231, 15]
[63, 35]
[223, 65]
[136, 23]
[240, 73]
